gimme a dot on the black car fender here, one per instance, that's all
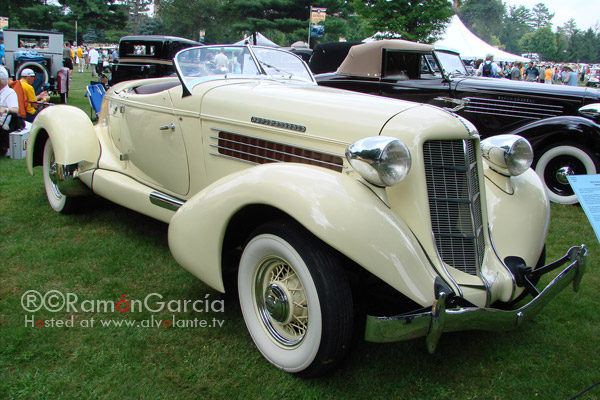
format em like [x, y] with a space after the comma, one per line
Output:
[578, 130]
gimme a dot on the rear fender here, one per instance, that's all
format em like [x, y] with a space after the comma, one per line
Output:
[336, 208]
[72, 133]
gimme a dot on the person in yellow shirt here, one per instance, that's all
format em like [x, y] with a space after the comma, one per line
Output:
[32, 106]
[548, 75]
[80, 60]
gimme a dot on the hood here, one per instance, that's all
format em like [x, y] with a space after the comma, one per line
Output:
[510, 88]
[332, 114]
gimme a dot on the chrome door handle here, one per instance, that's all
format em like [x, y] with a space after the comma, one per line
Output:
[167, 127]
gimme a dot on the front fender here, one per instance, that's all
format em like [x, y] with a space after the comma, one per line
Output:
[336, 208]
[544, 132]
[72, 134]
[519, 214]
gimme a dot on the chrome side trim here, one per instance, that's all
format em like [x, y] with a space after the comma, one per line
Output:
[278, 124]
[432, 323]
[259, 149]
[342, 156]
[267, 158]
[165, 201]
[233, 158]
[517, 108]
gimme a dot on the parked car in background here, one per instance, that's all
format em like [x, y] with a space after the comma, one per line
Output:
[147, 56]
[316, 205]
[593, 77]
[560, 122]
[40, 51]
[327, 57]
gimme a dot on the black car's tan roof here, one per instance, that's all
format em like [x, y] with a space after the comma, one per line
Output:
[365, 59]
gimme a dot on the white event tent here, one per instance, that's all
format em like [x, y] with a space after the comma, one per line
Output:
[459, 37]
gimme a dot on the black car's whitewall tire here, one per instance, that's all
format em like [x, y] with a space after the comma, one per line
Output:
[295, 299]
[58, 201]
[557, 162]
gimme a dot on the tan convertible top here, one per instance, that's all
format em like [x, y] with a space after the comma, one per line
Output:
[365, 59]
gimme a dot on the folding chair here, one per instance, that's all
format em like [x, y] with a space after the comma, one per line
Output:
[95, 93]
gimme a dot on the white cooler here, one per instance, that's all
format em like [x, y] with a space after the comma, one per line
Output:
[18, 142]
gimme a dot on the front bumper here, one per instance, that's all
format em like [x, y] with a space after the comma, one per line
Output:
[433, 323]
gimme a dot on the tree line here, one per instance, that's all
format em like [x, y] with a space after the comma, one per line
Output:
[514, 29]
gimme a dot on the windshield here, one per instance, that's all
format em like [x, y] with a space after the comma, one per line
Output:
[198, 64]
[451, 63]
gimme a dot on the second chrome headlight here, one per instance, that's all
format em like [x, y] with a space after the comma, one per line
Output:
[509, 155]
[381, 160]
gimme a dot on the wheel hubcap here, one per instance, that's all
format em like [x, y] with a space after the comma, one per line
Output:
[276, 303]
[280, 302]
[53, 175]
[562, 173]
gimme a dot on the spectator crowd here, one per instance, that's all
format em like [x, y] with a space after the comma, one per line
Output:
[546, 72]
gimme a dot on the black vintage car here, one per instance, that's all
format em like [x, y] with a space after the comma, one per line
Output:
[561, 122]
[147, 56]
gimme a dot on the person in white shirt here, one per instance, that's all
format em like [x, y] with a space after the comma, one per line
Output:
[489, 68]
[9, 109]
[221, 60]
[94, 57]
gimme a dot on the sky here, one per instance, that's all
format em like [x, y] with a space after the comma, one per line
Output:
[586, 13]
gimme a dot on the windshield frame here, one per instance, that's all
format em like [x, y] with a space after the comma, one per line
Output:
[448, 75]
[260, 69]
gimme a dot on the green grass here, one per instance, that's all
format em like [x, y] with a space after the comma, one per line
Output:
[107, 251]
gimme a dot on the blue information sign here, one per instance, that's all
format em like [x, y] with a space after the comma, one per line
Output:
[587, 189]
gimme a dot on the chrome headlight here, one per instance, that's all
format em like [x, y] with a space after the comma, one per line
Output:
[381, 160]
[591, 111]
[509, 155]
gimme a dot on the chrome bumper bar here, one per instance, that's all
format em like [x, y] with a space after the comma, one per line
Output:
[432, 324]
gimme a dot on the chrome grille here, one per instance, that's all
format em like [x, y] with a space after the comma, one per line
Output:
[455, 202]
[512, 107]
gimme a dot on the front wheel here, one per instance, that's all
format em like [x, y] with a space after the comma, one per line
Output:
[556, 163]
[295, 299]
[58, 201]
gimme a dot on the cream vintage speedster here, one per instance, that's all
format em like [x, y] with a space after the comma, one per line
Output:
[320, 206]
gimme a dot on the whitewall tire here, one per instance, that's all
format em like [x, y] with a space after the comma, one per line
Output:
[295, 299]
[557, 162]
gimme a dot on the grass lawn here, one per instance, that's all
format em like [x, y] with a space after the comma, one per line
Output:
[107, 251]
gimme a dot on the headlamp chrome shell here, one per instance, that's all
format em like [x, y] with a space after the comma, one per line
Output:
[509, 155]
[591, 111]
[380, 160]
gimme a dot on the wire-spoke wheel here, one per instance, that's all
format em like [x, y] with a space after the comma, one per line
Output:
[295, 299]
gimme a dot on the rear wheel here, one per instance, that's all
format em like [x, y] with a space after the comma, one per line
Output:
[58, 201]
[557, 162]
[295, 299]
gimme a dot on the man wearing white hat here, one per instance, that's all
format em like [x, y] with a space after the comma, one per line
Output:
[32, 106]
[9, 108]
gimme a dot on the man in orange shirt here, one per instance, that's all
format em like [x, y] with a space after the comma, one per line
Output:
[548, 75]
[32, 106]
